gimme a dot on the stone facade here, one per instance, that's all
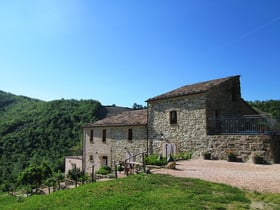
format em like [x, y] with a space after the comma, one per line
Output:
[182, 120]
[188, 133]
[225, 100]
[115, 139]
[96, 150]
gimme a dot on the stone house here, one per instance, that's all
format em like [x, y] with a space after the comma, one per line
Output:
[114, 138]
[207, 116]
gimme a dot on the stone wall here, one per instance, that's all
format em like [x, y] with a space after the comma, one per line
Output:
[220, 102]
[96, 149]
[116, 147]
[244, 146]
[188, 134]
[122, 147]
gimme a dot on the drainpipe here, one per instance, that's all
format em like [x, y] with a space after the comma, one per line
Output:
[83, 152]
[147, 139]
[147, 129]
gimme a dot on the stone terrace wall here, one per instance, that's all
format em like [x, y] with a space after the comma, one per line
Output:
[244, 146]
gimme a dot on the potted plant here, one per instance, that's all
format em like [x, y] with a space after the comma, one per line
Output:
[257, 158]
[231, 156]
[207, 155]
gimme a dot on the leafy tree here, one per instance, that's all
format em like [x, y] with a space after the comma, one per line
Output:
[51, 181]
[76, 175]
[270, 106]
[138, 106]
[31, 176]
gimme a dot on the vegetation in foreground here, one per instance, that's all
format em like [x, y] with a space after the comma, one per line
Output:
[151, 191]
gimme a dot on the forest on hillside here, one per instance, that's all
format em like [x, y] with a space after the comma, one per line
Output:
[270, 106]
[34, 131]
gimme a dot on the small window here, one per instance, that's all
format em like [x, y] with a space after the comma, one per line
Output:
[104, 135]
[173, 117]
[91, 136]
[91, 158]
[129, 134]
[104, 160]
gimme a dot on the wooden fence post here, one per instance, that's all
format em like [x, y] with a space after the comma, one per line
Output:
[143, 159]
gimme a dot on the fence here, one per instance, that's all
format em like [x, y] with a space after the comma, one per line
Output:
[131, 166]
[245, 125]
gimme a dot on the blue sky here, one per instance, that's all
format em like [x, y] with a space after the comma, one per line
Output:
[121, 52]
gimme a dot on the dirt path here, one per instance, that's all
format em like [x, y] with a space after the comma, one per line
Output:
[261, 178]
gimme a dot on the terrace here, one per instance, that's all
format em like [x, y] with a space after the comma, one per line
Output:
[245, 125]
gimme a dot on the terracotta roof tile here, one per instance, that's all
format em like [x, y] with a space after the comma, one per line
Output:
[127, 118]
[192, 89]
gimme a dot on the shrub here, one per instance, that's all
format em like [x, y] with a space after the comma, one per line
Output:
[104, 170]
[155, 160]
[258, 159]
[207, 155]
[120, 168]
[183, 156]
[231, 156]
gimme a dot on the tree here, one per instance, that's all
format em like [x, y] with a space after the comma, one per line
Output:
[34, 175]
[50, 182]
[76, 175]
[31, 176]
[137, 106]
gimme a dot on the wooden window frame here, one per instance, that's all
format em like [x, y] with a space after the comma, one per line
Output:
[104, 157]
[173, 117]
[130, 134]
[91, 136]
[104, 135]
[91, 158]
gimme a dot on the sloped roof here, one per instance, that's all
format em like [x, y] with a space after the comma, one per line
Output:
[196, 88]
[127, 118]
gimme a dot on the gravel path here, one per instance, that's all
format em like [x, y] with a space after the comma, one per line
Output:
[261, 178]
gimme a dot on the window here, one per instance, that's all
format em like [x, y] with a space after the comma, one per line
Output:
[104, 160]
[104, 135]
[129, 134]
[91, 158]
[173, 117]
[91, 136]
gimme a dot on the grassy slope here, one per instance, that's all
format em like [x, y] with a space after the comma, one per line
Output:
[150, 192]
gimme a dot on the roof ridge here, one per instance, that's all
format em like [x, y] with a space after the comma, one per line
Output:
[129, 118]
[191, 89]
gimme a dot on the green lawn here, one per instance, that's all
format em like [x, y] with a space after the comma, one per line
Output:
[148, 192]
[6, 200]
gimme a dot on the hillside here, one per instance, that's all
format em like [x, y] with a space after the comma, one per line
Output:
[151, 191]
[32, 131]
[270, 106]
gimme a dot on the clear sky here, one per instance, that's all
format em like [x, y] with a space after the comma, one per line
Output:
[125, 51]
